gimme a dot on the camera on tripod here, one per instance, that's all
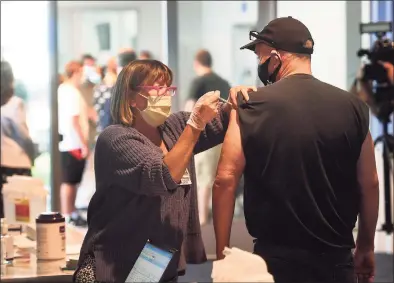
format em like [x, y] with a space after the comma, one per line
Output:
[382, 50]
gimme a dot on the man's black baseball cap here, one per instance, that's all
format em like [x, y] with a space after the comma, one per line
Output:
[287, 34]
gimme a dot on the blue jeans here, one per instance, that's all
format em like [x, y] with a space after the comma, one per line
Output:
[290, 265]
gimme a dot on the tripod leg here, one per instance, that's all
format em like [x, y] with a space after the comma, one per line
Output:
[388, 225]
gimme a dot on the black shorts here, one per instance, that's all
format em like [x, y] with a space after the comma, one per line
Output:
[72, 168]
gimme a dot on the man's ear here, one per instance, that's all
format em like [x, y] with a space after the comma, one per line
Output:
[276, 59]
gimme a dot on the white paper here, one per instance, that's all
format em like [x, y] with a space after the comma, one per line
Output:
[73, 249]
[21, 242]
[240, 266]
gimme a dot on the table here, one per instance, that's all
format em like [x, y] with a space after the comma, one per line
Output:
[32, 270]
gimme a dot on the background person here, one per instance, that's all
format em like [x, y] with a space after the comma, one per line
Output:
[17, 148]
[207, 161]
[74, 144]
[145, 55]
[91, 77]
[364, 90]
[110, 74]
[103, 92]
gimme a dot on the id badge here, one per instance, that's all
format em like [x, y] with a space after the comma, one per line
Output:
[150, 265]
[186, 178]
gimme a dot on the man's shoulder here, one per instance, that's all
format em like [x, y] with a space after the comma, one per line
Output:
[343, 96]
[269, 92]
[223, 82]
[214, 77]
[198, 80]
[13, 102]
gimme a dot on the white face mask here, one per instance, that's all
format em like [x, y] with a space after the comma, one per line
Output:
[157, 111]
[90, 74]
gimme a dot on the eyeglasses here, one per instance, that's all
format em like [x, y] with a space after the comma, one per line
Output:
[160, 90]
[253, 35]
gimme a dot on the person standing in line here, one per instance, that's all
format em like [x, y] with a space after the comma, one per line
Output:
[102, 93]
[207, 161]
[309, 167]
[109, 72]
[145, 55]
[17, 148]
[206, 80]
[90, 79]
[74, 146]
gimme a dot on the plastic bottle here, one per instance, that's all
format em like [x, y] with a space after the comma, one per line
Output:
[7, 243]
[51, 236]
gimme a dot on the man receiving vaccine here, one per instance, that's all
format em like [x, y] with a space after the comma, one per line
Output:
[309, 167]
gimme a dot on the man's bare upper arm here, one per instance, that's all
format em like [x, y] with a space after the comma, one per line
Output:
[232, 159]
[366, 165]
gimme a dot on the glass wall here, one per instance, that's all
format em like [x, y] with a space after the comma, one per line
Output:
[102, 29]
[25, 45]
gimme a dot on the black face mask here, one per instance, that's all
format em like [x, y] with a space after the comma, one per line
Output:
[264, 76]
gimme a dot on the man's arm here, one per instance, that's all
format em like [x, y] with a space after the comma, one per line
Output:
[230, 168]
[369, 189]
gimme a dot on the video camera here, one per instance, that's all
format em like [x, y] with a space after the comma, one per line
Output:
[382, 50]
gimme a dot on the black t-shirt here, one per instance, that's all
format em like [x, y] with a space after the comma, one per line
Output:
[207, 83]
[302, 139]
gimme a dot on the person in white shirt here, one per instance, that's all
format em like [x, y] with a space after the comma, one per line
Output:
[17, 148]
[74, 132]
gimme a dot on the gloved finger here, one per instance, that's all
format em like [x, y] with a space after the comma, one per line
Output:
[233, 92]
[245, 94]
[208, 94]
[215, 104]
[214, 96]
[232, 99]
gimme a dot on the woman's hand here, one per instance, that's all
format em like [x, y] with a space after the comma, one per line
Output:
[232, 97]
[205, 109]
